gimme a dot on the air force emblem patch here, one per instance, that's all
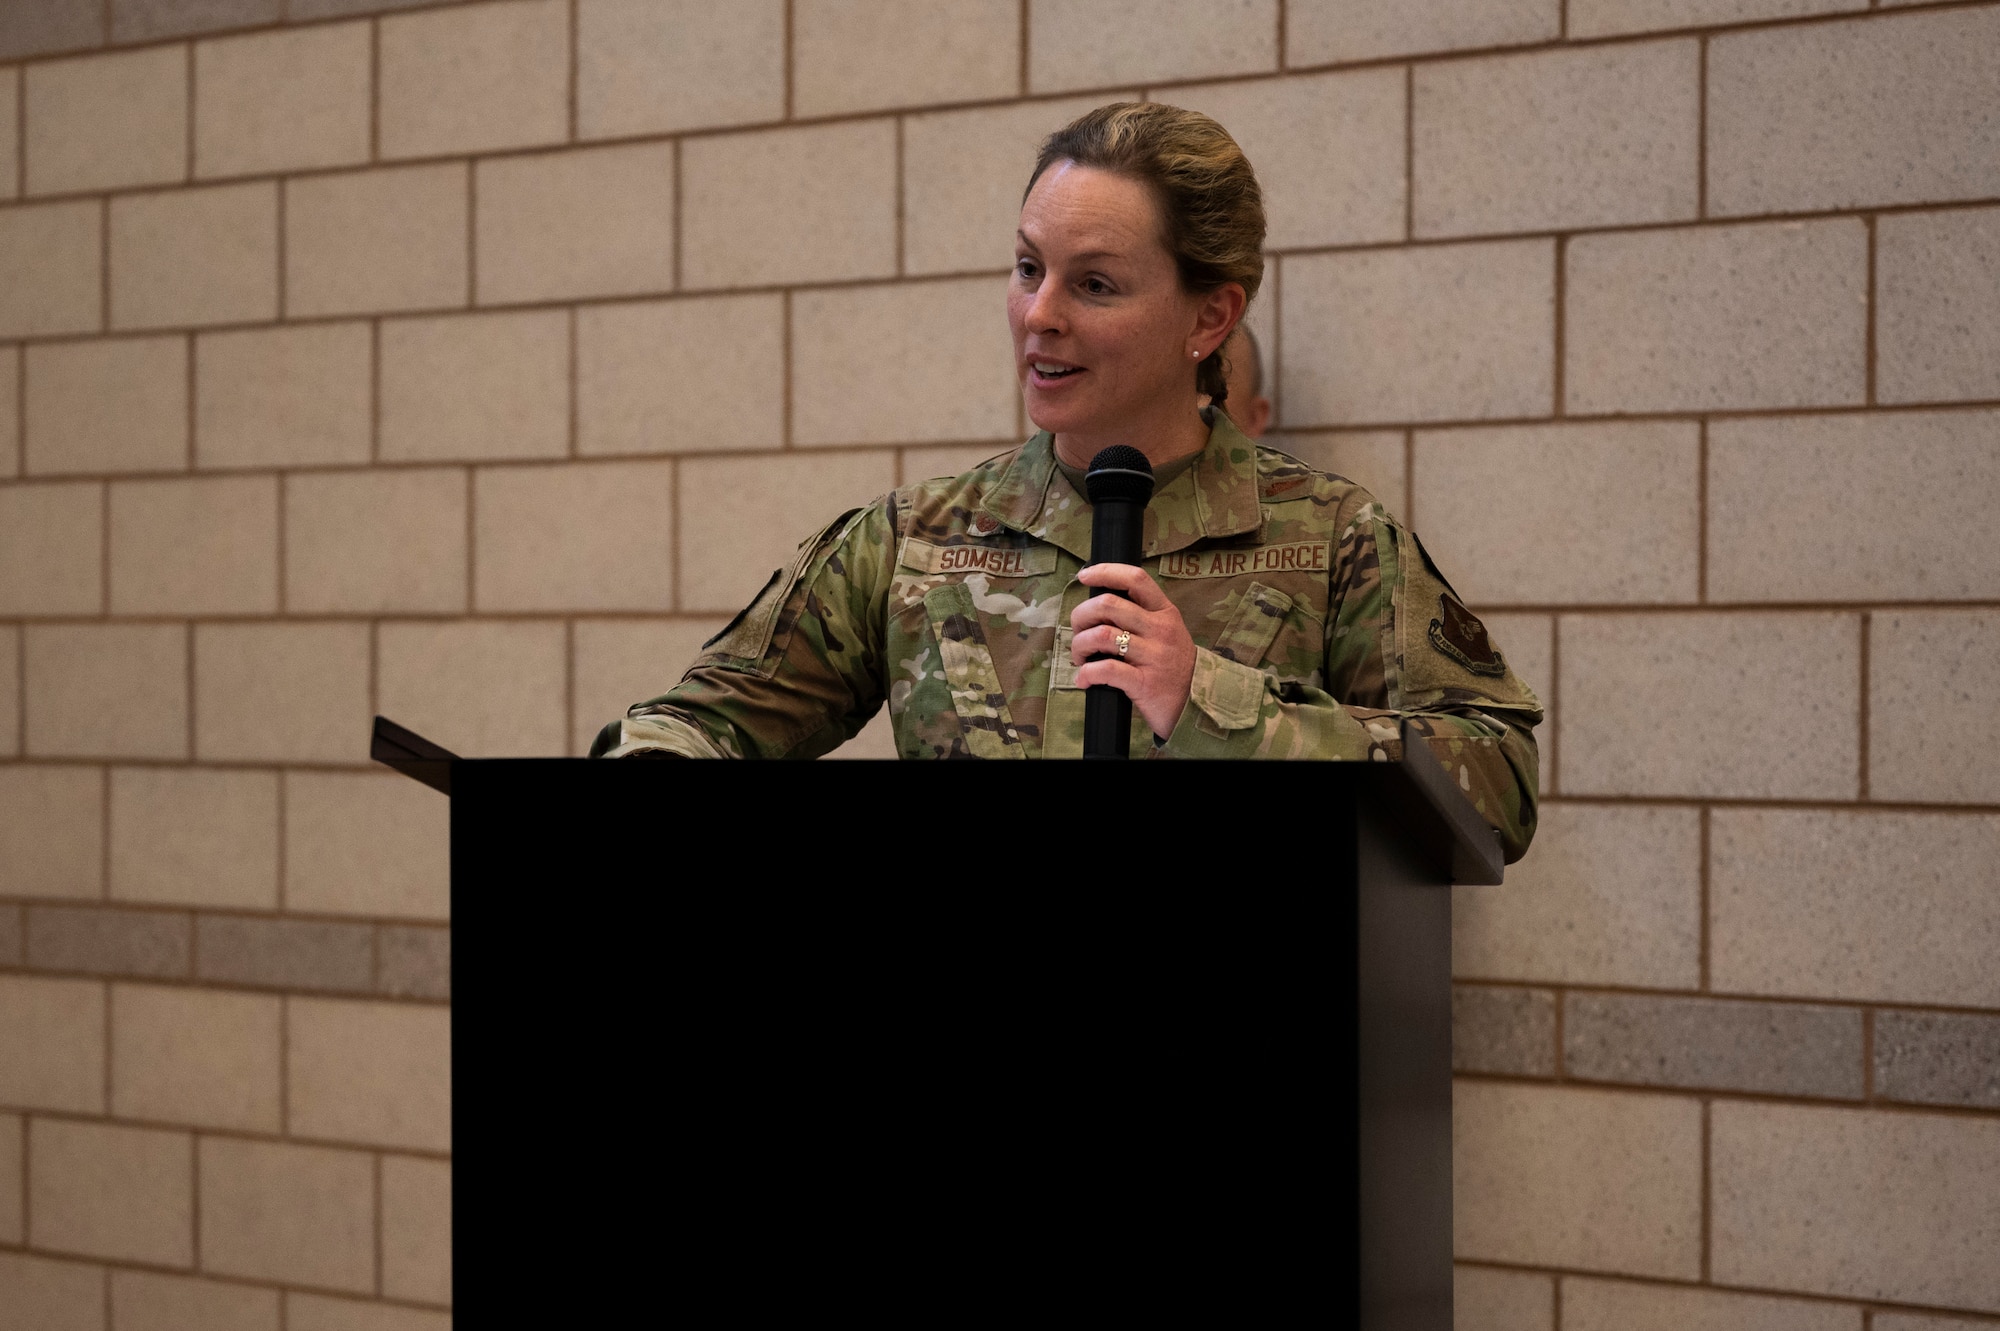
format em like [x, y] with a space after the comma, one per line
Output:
[1458, 633]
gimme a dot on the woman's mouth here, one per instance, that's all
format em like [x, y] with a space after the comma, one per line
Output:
[1052, 372]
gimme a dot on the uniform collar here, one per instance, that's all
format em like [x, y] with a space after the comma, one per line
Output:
[1215, 497]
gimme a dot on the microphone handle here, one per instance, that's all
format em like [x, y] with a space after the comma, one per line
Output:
[1117, 536]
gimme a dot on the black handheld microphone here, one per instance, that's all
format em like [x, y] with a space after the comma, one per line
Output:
[1120, 485]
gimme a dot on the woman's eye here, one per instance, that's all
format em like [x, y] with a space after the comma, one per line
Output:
[1025, 267]
[1097, 286]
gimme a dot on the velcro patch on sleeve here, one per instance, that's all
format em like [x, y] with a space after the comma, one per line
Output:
[995, 561]
[1295, 557]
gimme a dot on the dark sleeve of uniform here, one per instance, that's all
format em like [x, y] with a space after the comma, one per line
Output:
[1400, 647]
[797, 673]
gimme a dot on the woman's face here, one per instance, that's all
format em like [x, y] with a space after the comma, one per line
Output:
[1104, 334]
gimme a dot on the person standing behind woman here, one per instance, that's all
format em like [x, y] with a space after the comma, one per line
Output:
[1279, 613]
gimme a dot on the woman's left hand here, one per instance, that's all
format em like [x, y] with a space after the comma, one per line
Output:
[1158, 662]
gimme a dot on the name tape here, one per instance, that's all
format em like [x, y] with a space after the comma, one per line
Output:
[995, 561]
[1298, 557]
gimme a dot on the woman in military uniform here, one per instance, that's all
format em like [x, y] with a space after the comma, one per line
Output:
[1280, 612]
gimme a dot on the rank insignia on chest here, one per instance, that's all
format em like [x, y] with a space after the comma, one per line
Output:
[1458, 633]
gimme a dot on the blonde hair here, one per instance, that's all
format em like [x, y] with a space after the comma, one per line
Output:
[1210, 202]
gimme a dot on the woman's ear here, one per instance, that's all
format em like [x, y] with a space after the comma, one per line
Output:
[1217, 316]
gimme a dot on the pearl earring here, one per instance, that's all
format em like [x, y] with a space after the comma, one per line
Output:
[1195, 353]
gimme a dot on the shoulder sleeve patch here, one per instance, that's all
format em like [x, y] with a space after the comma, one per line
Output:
[1458, 633]
[749, 637]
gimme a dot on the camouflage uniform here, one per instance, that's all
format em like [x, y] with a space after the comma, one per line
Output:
[1318, 624]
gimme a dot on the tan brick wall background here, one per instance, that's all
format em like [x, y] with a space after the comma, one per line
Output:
[469, 363]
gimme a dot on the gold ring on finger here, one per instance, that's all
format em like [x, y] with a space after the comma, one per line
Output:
[1124, 642]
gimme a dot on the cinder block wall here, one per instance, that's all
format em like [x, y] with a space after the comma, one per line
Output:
[469, 364]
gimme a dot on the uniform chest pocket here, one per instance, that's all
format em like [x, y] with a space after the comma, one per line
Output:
[1252, 625]
[976, 695]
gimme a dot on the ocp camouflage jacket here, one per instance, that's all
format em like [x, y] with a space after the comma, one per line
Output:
[1319, 625]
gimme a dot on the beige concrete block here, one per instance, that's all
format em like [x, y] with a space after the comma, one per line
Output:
[146, 1301]
[107, 690]
[1103, 43]
[201, 837]
[195, 546]
[197, 256]
[1842, 115]
[743, 517]
[1937, 284]
[1373, 459]
[1934, 706]
[1341, 184]
[113, 405]
[1557, 139]
[146, 20]
[1615, 1305]
[1606, 18]
[312, 1312]
[373, 541]
[621, 662]
[1573, 485]
[1485, 1299]
[51, 269]
[52, 1044]
[1595, 1180]
[922, 464]
[862, 55]
[298, 1214]
[282, 101]
[51, 549]
[1797, 907]
[358, 843]
[10, 413]
[283, 396]
[474, 78]
[281, 692]
[195, 1056]
[13, 1224]
[1782, 518]
[390, 239]
[106, 1191]
[480, 689]
[811, 204]
[590, 222]
[1899, 1207]
[1885, 1321]
[646, 66]
[1446, 332]
[963, 174]
[10, 691]
[585, 536]
[416, 1229]
[635, 361]
[476, 386]
[1324, 31]
[10, 133]
[1608, 895]
[1680, 320]
[378, 1073]
[37, 1294]
[51, 831]
[1743, 706]
[107, 121]
[937, 363]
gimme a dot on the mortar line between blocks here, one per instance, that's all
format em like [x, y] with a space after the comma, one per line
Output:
[1700, 125]
[1409, 151]
[575, 54]
[1869, 333]
[788, 60]
[375, 88]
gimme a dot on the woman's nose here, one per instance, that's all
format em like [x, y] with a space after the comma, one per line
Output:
[1045, 314]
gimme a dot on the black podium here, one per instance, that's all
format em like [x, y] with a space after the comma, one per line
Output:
[931, 1044]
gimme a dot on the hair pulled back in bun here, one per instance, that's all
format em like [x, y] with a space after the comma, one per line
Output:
[1210, 202]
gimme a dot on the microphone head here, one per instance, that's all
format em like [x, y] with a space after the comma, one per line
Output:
[1119, 472]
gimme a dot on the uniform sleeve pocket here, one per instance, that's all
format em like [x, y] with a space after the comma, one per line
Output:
[747, 639]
